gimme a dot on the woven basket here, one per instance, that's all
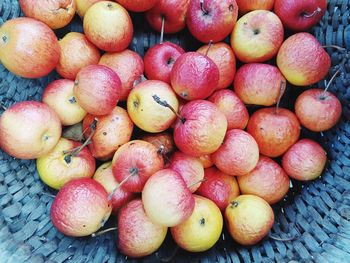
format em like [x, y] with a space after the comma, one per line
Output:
[316, 216]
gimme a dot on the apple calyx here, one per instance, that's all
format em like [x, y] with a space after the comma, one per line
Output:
[96, 234]
[164, 103]
[62, 7]
[4, 39]
[205, 12]
[202, 221]
[282, 89]
[234, 204]
[309, 15]
[72, 100]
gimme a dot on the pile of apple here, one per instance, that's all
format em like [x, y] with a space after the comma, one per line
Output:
[200, 157]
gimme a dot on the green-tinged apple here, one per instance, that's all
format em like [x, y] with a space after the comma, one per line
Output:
[80, 208]
[202, 229]
[35, 45]
[163, 141]
[84, 5]
[246, 6]
[138, 5]
[29, 130]
[206, 161]
[257, 36]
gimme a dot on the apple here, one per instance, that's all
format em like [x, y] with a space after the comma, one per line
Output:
[119, 197]
[138, 236]
[298, 15]
[202, 229]
[268, 180]
[145, 112]
[138, 5]
[35, 45]
[134, 162]
[97, 89]
[84, 5]
[305, 160]
[112, 131]
[302, 60]
[238, 155]
[211, 20]
[223, 57]
[194, 76]
[318, 110]
[259, 84]
[245, 6]
[234, 109]
[80, 208]
[206, 161]
[58, 95]
[249, 219]
[77, 52]
[167, 199]
[163, 141]
[219, 187]
[159, 60]
[190, 168]
[109, 26]
[172, 11]
[29, 130]
[257, 36]
[129, 67]
[58, 167]
[55, 13]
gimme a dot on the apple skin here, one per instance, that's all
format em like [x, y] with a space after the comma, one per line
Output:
[220, 14]
[35, 45]
[29, 130]
[108, 26]
[80, 208]
[139, 158]
[163, 141]
[222, 55]
[138, 5]
[203, 130]
[97, 89]
[268, 180]
[174, 12]
[194, 76]
[299, 15]
[84, 5]
[112, 131]
[274, 131]
[238, 155]
[145, 112]
[257, 36]
[77, 52]
[159, 60]
[305, 160]
[104, 175]
[190, 168]
[58, 95]
[129, 67]
[302, 60]
[245, 6]
[206, 161]
[55, 171]
[318, 111]
[234, 109]
[55, 13]
[138, 236]
[202, 229]
[258, 84]
[167, 199]
[219, 187]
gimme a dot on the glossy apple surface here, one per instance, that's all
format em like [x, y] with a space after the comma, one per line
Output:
[245, 6]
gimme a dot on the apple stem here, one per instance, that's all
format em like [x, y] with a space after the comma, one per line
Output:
[336, 47]
[133, 172]
[199, 181]
[282, 89]
[3, 106]
[47, 194]
[323, 96]
[282, 239]
[162, 30]
[308, 15]
[205, 12]
[209, 46]
[164, 103]
[103, 231]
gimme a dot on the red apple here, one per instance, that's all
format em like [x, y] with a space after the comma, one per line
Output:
[305, 160]
[134, 162]
[159, 60]
[173, 12]
[234, 109]
[318, 110]
[138, 5]
[109, 26]
[275, 130]
[257, 36]
[302, 60]
[129, 67]
[80, 208]
[219, 187]
[29, 130]
[35, 45]
[163, 141]
[245, 6]
[97, 89]
[77, 52]
[206, 161]
[194, 76]
[84, 5]
[299, 15]
[167, 199]
[211, 20]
